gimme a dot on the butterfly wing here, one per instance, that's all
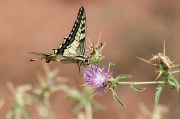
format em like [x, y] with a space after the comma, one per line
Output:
[43, 56]
[74, 44]
[73, 47]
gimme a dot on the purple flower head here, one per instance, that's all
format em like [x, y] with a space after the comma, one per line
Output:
[96, 77]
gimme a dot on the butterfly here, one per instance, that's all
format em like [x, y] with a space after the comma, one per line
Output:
[72, 50]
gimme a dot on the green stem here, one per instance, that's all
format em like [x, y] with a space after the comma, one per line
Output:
[88, 110]
[140, 83]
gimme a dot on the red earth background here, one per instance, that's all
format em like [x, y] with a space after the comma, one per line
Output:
[130, 28]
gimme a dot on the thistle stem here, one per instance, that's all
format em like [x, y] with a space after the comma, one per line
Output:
[88, 110]
[140, 83]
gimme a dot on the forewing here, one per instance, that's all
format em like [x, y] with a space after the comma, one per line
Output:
[74, 44]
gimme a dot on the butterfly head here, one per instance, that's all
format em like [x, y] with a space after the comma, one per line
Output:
[86, 61]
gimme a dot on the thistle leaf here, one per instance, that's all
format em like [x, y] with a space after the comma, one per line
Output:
[47, 103]
[78, 107]
[161, 68]
[175, 71]
[26, 114]
[9, 114]
[116, 98]
[173, 82]
[158, 92]
[17, 112]
[111, 64]
[137, 88]
[122, 76]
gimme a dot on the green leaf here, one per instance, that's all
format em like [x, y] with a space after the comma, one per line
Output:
[158, 92]
[75, 94]
[26, 114]
[116, 98]
[123, 76]
[173, 82]
[137, 88]
[47, 103]
[78, 107]
[161, 68]
[9, 114]
[96, 106]
[17, 112]
[175, 71]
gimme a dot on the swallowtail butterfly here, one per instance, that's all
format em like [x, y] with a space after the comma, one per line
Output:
[72, 49]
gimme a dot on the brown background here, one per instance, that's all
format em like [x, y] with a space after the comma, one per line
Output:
[130, 28]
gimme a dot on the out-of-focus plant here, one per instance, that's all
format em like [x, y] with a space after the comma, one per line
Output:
[158, 112]
[47, 85]
[2, 101]
[20, 100]
[85, 101]
[43, 111]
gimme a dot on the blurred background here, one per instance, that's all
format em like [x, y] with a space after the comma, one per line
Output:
[130, 29]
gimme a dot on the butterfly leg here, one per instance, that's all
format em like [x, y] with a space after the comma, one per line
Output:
[79, 68]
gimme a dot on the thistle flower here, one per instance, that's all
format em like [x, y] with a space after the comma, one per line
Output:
[96, 77]
[95, 51]
[162, 62]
